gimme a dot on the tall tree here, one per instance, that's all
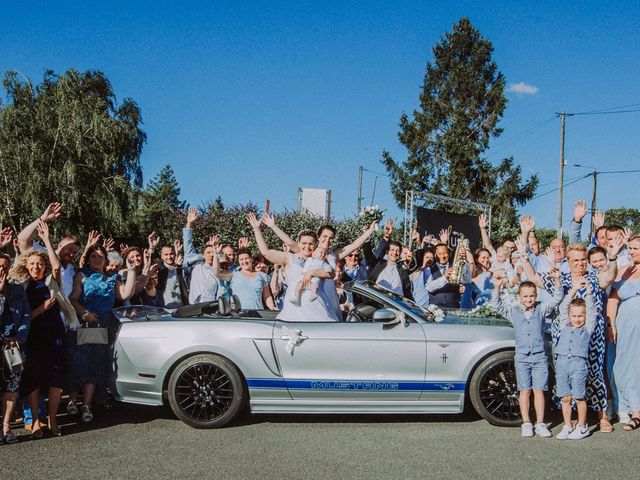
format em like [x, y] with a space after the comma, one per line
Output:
[158, 201]
[461, 103]
[67, 139]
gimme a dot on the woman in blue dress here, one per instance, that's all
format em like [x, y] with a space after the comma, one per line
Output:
[93, 297]
[623, 311]
[251, 287]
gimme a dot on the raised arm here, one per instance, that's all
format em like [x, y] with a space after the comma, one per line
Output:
[575, 231]
[25, 237]
[92, 239]
[357, 243]
[43, 233]
[496, 301]
[214, 241]
[126, 290]
[484, 232]
[550, 305]
[527, 268]
[270, 221]
[608, 275]
[274, 256]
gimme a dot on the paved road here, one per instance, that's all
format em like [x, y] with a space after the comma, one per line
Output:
[147, 442]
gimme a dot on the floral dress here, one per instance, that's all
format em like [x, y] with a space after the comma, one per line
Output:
[596, 386]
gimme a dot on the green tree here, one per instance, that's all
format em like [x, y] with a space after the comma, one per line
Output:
[67, 139]
[625, 217]
[158, 201]
[461, 103]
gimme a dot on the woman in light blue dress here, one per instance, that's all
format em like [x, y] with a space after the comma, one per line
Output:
[251, 287]
[623, 311]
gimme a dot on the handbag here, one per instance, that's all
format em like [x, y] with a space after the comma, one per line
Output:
[13, 358]
[92, 336]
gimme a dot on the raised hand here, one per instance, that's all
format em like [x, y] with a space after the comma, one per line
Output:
[579, 210]
[6, 235]
[52, 212]
[16, 245]
[482, 221]
[370, 228]
[3, 279]
[43, 231]
[177, 246]
[146, 263]
[527, 224]
[388, 229]
[615, 245]
[551, 256]
[626, 235]
[268, 219]
[153, 240]
[153, 270]
[521, 247]
[253, 220]
[192, 215]
[243, 242]
[109, 244]
[93, 238]
[214, 241]
[598, 219]
[443, 236]
[123, 248]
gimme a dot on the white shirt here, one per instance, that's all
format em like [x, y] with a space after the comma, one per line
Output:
[389, 278]
[204, 285]
[171, 294]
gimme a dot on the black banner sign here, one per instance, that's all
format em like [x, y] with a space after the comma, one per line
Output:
[430, 222]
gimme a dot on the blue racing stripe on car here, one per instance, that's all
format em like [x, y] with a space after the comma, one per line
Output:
[346, 385]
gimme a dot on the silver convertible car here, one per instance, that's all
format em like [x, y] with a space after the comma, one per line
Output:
[210, 361]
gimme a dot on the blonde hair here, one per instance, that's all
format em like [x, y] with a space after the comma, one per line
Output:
[575, 247]
[19, 271]
[633, 237]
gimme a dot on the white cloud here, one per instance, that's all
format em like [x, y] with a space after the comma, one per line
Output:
[523, 89]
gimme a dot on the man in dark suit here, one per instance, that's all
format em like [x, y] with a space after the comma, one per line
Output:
[441, 291]
[171, 282]
[388, 273]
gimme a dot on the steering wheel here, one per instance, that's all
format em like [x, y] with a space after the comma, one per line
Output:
[361, 313]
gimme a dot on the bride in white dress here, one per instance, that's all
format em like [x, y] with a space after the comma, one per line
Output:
[316, 311]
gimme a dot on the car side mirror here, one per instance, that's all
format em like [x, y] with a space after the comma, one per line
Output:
[386, 316]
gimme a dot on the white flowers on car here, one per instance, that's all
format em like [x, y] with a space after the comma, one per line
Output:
[436, 311]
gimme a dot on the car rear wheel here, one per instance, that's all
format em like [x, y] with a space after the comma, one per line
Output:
[493, 390]
[206, 391]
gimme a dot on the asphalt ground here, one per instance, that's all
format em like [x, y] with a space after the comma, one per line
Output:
[148, 442]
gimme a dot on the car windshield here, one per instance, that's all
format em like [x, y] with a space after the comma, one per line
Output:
[137, 312]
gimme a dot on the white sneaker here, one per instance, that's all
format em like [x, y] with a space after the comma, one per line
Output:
[87, 416]
[72, 408]
[527, 429]
[564, 433]
[580, 432]
[295, 301]
[312, 297]
[542, 430]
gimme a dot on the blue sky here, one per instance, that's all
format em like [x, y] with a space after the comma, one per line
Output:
[254, 99]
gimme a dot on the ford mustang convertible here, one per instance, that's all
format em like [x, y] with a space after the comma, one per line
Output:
[210, 361]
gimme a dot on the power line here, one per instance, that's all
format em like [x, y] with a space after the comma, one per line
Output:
[607, 113]
[564, 185]
[611, 108]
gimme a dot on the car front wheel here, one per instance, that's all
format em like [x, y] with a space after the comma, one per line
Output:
[493, 390]
[206, 391]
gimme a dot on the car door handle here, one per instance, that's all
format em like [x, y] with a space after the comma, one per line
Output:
[287, 337]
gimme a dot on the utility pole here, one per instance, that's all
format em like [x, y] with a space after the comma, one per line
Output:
[593, 200]
[561, 180]
[360, 170]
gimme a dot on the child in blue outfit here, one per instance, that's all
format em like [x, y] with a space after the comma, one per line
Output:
[532, 366]
[571, 352]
